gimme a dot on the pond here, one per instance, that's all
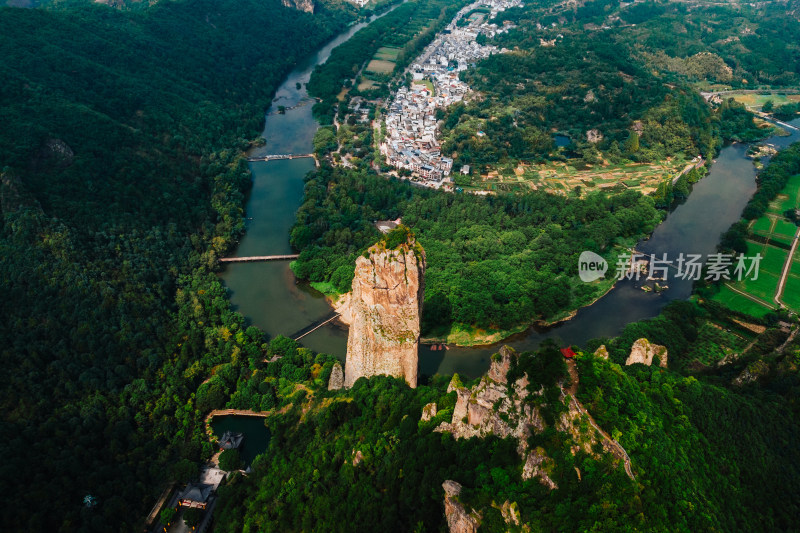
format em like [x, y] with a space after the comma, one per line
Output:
[256, 434]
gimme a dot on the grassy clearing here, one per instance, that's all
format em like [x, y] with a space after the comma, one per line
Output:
[380, 66]
[325, 288]
[366, 85]
[428, 84]
[387, 53]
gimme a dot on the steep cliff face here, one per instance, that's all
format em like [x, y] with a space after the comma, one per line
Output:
[301, 5]
[384, 313]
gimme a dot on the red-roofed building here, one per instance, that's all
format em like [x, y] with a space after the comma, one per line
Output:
[567, 353]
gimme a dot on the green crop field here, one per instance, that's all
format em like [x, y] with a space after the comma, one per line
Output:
[763, 225]
[387, 53]
[774, 226]
[785, 228]
[772, 258]
[740, 303]
[791, 292]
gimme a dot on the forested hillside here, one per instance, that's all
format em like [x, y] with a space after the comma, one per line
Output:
[620, 82]
[122, 182]
[492, 262]
[706, 456]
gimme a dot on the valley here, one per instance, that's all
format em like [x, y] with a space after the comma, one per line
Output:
[376, 314]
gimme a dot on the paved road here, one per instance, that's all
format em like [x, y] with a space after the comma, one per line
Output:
[787, 267]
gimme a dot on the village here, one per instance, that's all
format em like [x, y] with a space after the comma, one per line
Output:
[411, 141]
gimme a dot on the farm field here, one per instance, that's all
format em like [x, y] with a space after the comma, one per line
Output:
[562, 178]
[380, 66]
[779, 231]
[758, 100]
[387, 53]
[737, 302]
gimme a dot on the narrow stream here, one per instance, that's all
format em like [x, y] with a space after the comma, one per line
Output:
[269, 296]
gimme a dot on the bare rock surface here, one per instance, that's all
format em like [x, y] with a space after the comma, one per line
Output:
[429, 411]
[336, 381]
[301, 5]
[643, 352]
[458, 520]
[384, 313]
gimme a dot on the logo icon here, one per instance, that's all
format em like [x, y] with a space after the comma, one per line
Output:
[591, 266]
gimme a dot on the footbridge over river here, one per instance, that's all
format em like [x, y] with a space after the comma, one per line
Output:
[275, 157]
[254, 258]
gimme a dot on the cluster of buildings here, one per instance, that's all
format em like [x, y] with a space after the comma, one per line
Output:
[411, 128]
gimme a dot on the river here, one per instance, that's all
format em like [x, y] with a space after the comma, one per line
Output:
[270, 297]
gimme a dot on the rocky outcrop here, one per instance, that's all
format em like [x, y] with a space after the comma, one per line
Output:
[643, 352]
[54, 154]
[429, 411]
[384, 312]
[496, 406]
[336, 381]
[489, 409]
[458, 520]
[594, 136]
[753, 372]
[358, 457]
[510, 513]
[300, 5]
[14, 195]
[539, 465]
[455, 383]
[602, 352]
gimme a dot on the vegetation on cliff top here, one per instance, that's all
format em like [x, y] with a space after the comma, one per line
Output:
[694, 442]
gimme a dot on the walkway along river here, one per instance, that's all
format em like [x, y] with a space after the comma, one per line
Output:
[269, 296]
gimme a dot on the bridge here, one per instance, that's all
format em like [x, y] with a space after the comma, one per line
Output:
[313, 327]
[274, 157]
[254, 258]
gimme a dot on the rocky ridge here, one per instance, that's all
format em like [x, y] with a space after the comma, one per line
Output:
[496, 407]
